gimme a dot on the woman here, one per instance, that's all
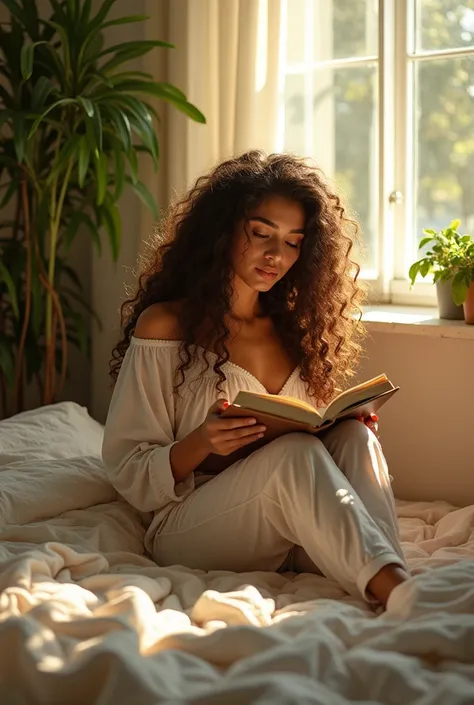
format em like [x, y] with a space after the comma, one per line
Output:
[251, 287]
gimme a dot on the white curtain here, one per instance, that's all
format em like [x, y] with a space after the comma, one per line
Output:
[226, 60]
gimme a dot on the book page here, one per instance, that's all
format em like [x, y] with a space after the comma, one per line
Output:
[358, 394]
[363, 385]
[281, 406]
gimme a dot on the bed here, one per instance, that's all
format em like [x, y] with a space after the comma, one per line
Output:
[87, 618]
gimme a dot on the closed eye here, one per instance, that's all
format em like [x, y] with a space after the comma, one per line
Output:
[291, 244]
[259, 234]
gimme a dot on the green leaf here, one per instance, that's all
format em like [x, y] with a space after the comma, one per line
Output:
[7, 365]
[122, 126]
[48, 58]
[424, 241]
[113, 226]
[454, 224]
[133, 161]
[27, 58]
[57, 104]
[101, 165]
[425, 267]
[83, 161]
[119, 174]
[166, 92]
[145, 196]
[41, 91]
[80, 328]
[117, 78]
[130, 50]
[19, 136]
[87, 105]
[86, 11]
[428, 231]
[459, 288]
[140, 120]
[141, 45]
[65, 43]
[96, 122]
[125, 20]
[101, 15]
[413, 272]
[81, 218]
[11, 288]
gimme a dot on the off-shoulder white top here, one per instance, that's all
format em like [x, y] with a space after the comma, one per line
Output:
[146, 418]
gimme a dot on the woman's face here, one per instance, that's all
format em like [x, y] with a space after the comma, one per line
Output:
[268, 244]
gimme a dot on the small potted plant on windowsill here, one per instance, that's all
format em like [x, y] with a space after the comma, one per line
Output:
[449, 261]
[463, 284]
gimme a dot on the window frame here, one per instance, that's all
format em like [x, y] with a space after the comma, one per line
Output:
[396, 61]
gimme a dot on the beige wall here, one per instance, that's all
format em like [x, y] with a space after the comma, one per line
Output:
[427, 429]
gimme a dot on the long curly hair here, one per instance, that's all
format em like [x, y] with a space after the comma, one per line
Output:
[315, 307]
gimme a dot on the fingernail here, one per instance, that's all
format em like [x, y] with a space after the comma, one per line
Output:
[225, 404]
[374, 417]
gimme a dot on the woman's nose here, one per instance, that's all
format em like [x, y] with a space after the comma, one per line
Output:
[273, 251]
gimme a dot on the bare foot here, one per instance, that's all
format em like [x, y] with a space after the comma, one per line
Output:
[385, 581]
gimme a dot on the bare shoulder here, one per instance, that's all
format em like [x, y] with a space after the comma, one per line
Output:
[160, 321]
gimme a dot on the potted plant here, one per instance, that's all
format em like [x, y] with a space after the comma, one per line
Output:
[446, 260]
[74, 120]
[463, 284]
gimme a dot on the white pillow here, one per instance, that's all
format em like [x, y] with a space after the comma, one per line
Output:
[63, 430]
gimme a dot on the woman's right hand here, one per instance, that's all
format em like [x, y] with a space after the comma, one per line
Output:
[223, 436]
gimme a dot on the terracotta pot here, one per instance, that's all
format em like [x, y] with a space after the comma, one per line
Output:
[468, 306]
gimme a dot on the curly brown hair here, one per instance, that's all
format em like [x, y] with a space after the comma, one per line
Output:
[315, 307]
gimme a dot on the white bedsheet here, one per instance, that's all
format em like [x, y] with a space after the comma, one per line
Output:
[86, 618]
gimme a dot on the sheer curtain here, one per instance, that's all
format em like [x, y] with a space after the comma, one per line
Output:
[226, 60]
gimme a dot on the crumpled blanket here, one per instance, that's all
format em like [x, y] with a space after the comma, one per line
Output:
[86, 617]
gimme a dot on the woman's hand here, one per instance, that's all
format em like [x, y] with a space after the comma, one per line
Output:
[371, 422]
[224, 436]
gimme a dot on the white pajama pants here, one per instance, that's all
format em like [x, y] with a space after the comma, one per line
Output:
[304, 503]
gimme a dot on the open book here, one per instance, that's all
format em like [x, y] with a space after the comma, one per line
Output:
[282, 414]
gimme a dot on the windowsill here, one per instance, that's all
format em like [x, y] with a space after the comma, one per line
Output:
[414, 320]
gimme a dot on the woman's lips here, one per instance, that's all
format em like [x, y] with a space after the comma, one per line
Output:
[268, 276]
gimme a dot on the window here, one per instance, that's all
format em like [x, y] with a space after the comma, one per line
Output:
[380, 94]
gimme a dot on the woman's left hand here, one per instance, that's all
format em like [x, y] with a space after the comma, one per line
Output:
[371, 422]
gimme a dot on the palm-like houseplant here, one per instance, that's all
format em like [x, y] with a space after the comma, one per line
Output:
[73, 122]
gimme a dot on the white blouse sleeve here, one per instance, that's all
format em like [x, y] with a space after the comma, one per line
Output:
[140, 430]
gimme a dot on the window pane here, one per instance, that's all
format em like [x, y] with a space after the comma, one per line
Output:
[444, 24]
[344, 29]
[345, 141]
[341, 136]
[444, 143]
[321, 30]
[295, 115]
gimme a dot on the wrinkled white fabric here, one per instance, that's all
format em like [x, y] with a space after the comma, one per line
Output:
[86, 618]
